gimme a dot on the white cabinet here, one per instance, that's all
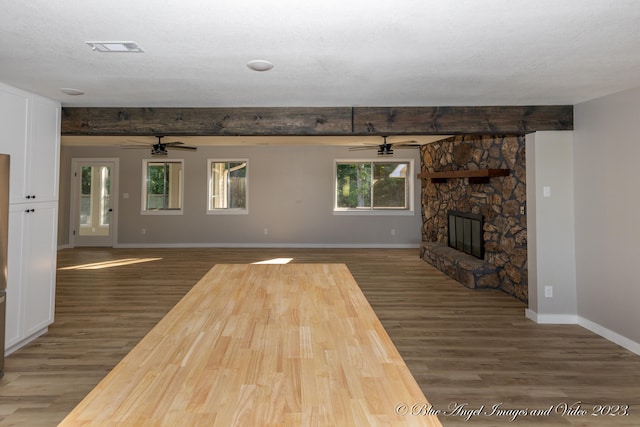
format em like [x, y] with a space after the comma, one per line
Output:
[31, 136]
[31, 285]
[14, 329]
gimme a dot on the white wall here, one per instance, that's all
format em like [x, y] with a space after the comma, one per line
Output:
[550, 227]
[290, 194]
[607, 207]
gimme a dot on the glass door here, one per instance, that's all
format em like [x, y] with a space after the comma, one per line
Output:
[93, 204]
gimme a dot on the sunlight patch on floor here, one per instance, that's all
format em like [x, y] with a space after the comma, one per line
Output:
[109, 264]
[275, 261]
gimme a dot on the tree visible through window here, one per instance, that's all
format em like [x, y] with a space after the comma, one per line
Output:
[372, 185]
[163, 189]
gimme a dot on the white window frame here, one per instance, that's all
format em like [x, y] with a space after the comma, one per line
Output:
[143, 201]
[227, 211]
[408, 211]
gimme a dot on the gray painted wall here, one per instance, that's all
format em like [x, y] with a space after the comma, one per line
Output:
[550, 225]
[290, 194]
[607, 206]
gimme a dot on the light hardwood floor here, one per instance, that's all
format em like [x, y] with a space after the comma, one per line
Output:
[463, 346]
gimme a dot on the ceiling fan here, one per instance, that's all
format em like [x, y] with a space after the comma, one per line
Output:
[160, 148]
[386, 148]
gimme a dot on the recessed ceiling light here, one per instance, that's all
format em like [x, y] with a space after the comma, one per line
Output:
[122, 47]
[71, 91]
[260, 65]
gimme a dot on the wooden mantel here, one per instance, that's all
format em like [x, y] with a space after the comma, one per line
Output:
[478, 176]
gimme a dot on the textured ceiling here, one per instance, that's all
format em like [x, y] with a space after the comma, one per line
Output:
[325, 52]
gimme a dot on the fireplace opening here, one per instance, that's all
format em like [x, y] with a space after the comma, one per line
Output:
[466, 233]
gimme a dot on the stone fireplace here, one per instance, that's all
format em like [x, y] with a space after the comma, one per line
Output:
[450, 171]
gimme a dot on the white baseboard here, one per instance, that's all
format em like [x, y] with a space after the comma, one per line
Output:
[612, 336]
[571, 319]
[273, 245]
[553, 319]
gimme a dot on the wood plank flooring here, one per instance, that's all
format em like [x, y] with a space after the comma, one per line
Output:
[464, 347]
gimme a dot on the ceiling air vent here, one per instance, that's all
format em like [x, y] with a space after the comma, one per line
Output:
[125, 47]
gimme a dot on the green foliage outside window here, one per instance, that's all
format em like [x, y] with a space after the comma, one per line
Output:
[354, 185]
[163, 185]
[372, 185]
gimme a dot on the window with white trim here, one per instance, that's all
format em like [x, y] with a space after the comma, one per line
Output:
[227, 186]
[365, 185]
[162, 187]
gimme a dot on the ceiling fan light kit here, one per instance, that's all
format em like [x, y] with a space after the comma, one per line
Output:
[159, 150]
[385, 150]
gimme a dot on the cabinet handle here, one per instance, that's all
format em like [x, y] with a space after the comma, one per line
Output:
[30, 210]
[29, 196]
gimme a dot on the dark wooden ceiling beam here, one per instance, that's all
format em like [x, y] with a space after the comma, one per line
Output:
[462, 120]
[206, 121]
[310, 121]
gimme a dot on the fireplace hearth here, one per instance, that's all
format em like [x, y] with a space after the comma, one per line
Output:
[466, 233]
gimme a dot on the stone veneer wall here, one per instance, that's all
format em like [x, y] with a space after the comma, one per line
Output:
[502, 201]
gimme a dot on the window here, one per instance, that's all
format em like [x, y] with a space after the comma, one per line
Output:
[162, 187]
[95, 188]
[227, 186]
[373, 186]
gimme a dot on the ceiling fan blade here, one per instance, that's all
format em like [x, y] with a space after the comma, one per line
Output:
[181, 147]
[133, 144]
[406, 146]
[364, 147]
[410, 143]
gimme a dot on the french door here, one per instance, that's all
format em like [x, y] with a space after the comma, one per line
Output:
[93, 202]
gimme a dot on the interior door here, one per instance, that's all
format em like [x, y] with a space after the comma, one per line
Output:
[93, 202]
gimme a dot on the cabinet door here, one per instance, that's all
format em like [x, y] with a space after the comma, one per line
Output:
[14, 320]
[39, 270]
[13, 122]
[44, 150]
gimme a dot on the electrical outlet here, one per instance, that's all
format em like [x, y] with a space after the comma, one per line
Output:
[266, 231]
[143, 231]
[548, 291]
[393, 231]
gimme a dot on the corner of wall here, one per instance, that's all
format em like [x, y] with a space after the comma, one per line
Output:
[551, 226]
[532, 259]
